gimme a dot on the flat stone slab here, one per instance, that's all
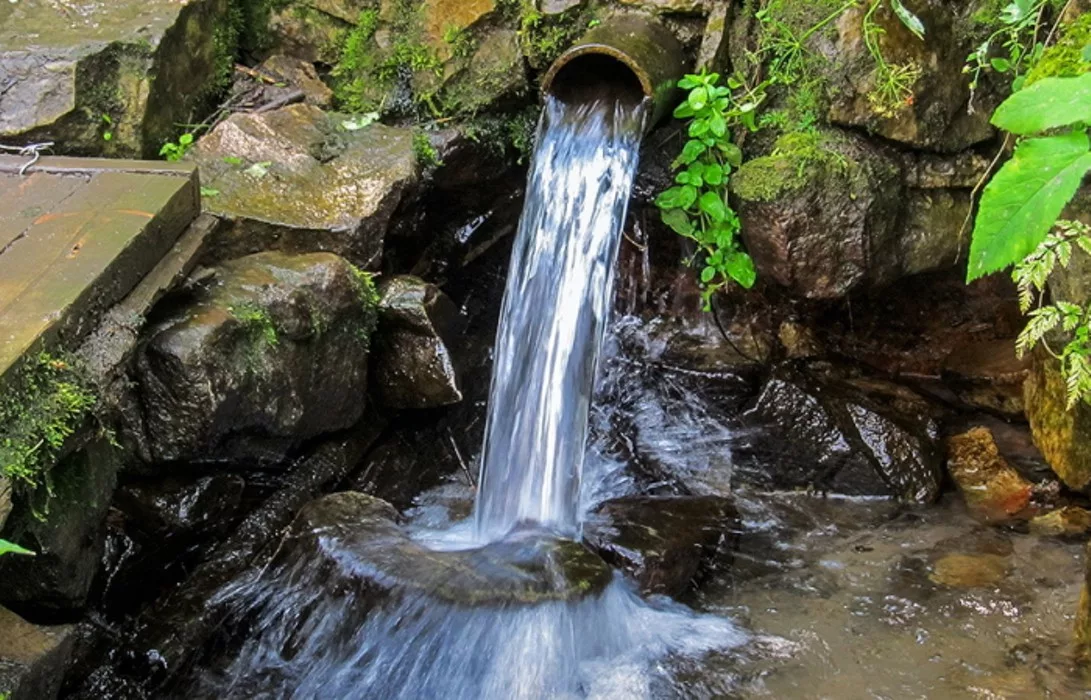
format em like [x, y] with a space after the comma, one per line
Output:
[33, 659]
[76, 236]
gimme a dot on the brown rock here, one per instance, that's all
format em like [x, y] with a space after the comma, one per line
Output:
[298, 75]
[970, 570]
[1063, 435]
[992, 488]
[1070, 521]
[988, 375]
[798, 340]
[33, 659]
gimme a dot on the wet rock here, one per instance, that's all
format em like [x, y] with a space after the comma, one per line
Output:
[1070, 521]
[441, 18]
[175, 507]
[933, 115]
[5, 500]
[1083, 611]
[295, 179]
[668, 6]
[112, 78]
[820, 213]
[993, 490]
[556, 7]
[798, 341]
[811, 428]
[303, 30]
[988, 375]
[662, 542]
[970, 570]
[492, 74]
[33, 659]
[1060, 433]
[67, 536]
[355, 540]
[413, 367]
[295, 74]
[270, 351]
[713, 53]
[931, 238]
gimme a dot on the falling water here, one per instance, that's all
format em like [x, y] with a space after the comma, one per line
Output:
[558, 296]
[310, 637]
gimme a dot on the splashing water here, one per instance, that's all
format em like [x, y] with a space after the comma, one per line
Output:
[555, 311]
[309, 638]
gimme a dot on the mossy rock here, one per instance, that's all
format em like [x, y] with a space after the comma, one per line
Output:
[820, 213]
[270, 351]
[1065, 59]
[116, 80]
[1062, 435]
[298, 180]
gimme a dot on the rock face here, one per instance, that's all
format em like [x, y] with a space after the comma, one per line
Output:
[413, 367]
[355, 540]
[175, 508]
[296, 179]
[989, 376]
[1058, 432]
[295, 74]
[33, 659]
[67, 536]
[269, 352]
[853, 437]
[111, 78]
[1070, 521]
[993, 489]
[819, 214]
[662, 542]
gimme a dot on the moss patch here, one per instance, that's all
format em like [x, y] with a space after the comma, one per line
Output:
[507, 134]
[1065, 58]
[48, 399]
[796, 159]
[368, 294]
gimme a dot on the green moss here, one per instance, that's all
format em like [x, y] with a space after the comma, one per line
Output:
[795, 160]
[510, 134]
[545, 37]
[48, 399]
[257, 322]
[369, 301]
[425, 152]
[1065, 58]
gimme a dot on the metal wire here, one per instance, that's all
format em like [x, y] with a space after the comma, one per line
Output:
[32, 151]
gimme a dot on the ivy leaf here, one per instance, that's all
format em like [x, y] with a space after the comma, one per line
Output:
[678, 221]
[910, 20]
[713, 204]
[741, 268]
[1024, 199]
[1047, 104]
[12, 548]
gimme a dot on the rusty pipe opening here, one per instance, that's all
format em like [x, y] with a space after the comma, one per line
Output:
[629, 57]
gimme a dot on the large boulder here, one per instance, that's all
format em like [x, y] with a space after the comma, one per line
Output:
[300, 180]
[413, 367]
[662, 542]
[820, 213]
[270, 351]
[112, 78]
[811, 428]
[33, 658]
[66, 531]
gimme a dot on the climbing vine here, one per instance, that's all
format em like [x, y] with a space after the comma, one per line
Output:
[1017, 219]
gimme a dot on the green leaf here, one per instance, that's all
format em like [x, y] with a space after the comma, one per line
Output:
[669, 199]
[688, 82]
[713, 204]
[233, 160]
[1000, 65]
[1086, 53]
[209, 192]
[1023, 200]
[717, 125]
[741, 268]
[698, 128]
[1047, 104]
[698, 99]
[714, 174]
[691, 152]
[688, 196]
[910, 20]
[678, 221]
[185, 139]
[707, 274]
[12, 548]
[732, 153]
[684, 111]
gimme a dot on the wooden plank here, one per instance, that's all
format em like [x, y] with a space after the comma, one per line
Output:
[87, 253]
[26, 198]
[63, 165]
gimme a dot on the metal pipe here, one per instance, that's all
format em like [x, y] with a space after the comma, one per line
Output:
[630, 52]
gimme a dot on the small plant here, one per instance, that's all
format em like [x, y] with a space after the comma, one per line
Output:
[12, 548]
[1011, 48]
[894, 82]
[1019, 210]
[426, 153]
[257, 323]
[176, 151]
[107, 128]
[697, 207]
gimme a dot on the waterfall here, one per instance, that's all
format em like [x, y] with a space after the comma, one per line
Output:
[555, 311]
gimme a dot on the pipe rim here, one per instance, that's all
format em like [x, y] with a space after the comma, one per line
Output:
[598, 50]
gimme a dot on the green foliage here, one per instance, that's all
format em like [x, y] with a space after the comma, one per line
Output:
[1023, 200]
[425, 152]
[697, 207]
[1012, 47]
[894, 82]
[49, 399]
[545, 37]
[107, 128]
[506, 134]
[12, 548]
[791, 165]
[1067, 58]
[1072, 320]
[368, 294]
[173, 151]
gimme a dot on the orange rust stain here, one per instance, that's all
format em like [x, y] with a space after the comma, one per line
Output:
[53, 216]
[136, 212]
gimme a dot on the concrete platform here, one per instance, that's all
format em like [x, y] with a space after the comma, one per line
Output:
[76, 236]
